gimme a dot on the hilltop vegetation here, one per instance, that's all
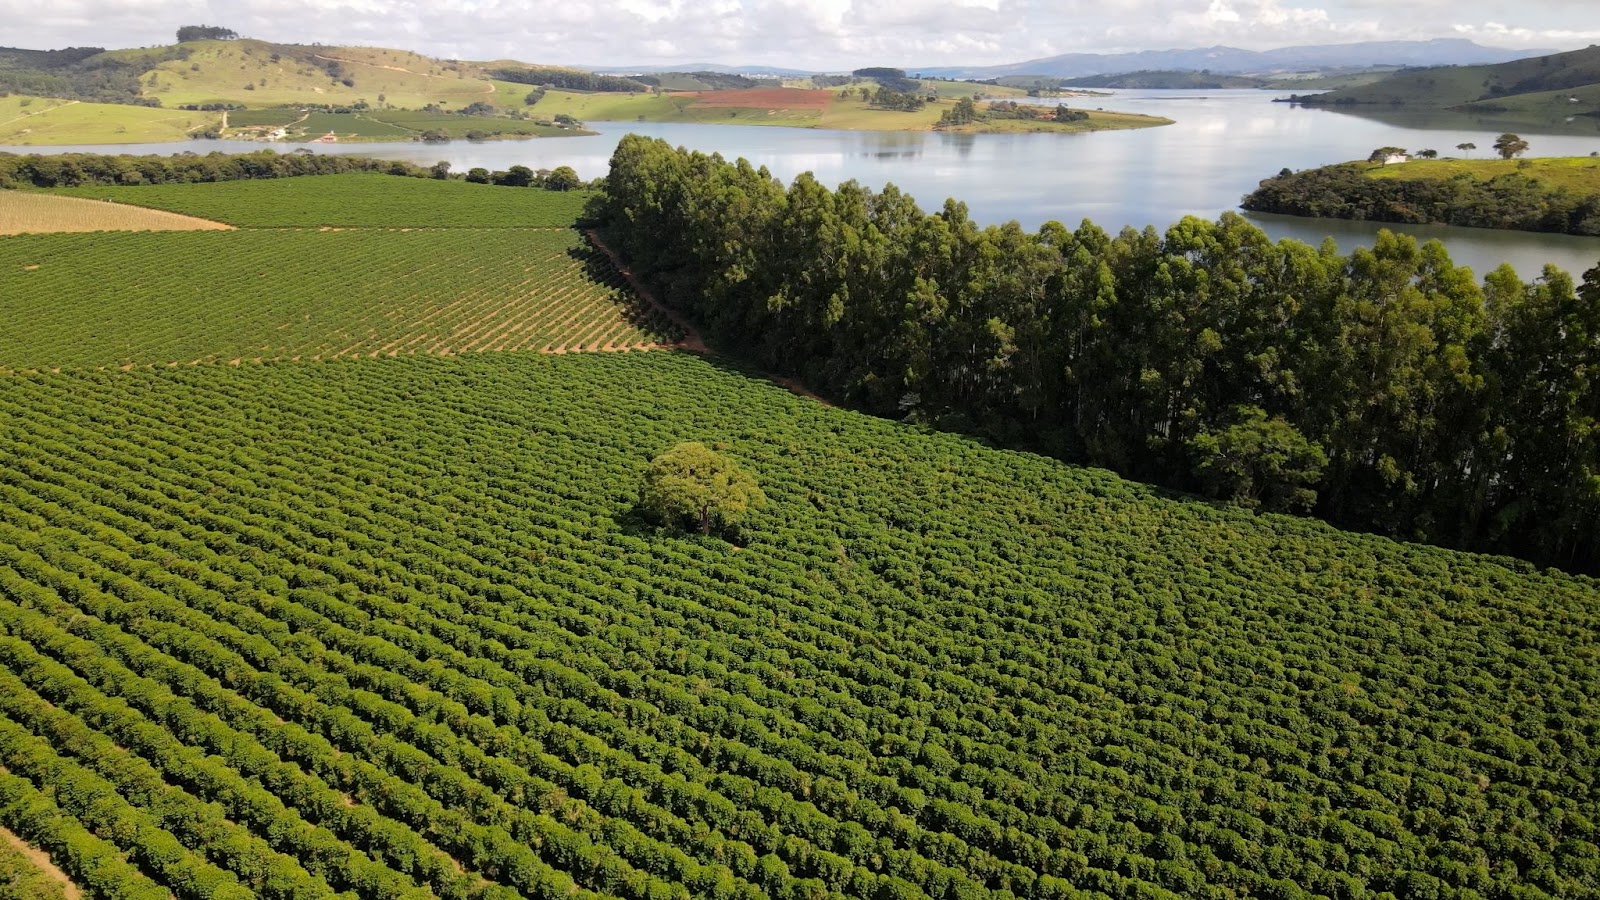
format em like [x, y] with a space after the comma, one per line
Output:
[45, 121]
[1495, 88]
[1560, 195]
[79, 73]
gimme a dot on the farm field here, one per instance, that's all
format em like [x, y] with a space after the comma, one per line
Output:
[36, 213]
[156, 298]
[43, 121]
[242, 118]
[352, 200]
[347, 127]
[326, 266]
[458, 126]
[392, 625]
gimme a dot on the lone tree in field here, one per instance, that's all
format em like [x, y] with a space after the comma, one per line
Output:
[691, 483]
[1467, 148]
[1509, 145]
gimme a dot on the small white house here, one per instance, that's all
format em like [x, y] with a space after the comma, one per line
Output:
[1395, 158]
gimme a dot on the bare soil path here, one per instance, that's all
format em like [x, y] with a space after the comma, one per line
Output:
[41, 860]
[691, 336]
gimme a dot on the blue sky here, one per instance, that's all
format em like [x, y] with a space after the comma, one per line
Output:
[813, 34]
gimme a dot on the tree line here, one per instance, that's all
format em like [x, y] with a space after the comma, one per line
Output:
[1388, 390]
[568, 79]
[84, 169]
[80, 169]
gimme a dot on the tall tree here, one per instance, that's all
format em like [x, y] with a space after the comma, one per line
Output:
[1510, 146]
[693, 483]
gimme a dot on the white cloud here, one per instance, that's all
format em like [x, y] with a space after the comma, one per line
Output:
[801, 33]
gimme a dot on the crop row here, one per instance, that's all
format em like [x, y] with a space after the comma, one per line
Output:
[934, 670]
[351, 200]
[195, 297]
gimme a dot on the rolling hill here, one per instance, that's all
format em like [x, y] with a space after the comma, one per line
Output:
[43, 120]
[1491, 88]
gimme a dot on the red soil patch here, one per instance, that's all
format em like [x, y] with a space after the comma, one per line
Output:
[764, 98]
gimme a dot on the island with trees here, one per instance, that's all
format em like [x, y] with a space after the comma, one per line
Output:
[1556, 194]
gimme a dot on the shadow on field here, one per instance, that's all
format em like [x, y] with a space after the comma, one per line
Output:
[639, 312]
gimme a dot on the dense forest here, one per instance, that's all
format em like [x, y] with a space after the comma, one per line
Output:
[568, 79]
[703, 81]
[1387, 390]
[82, 73]
[1512, 201]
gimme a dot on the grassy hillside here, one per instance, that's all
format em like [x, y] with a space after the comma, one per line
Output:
[1455, 86]
[1580, 101]
[261, 74]
[1186, 80]
[1580, 174]
[43, 121]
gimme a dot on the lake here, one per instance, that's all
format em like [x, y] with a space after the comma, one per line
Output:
[1224, 142]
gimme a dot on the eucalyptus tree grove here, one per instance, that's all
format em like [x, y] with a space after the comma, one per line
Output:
[1408, 397]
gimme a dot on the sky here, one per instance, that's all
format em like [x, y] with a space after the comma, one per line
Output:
[804, 34]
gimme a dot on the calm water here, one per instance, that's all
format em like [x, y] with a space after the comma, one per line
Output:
[1223, 143]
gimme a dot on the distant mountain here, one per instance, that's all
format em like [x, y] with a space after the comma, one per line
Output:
[1232, 60]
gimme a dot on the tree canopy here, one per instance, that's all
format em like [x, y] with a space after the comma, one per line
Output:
[206, 33]
[1208, 358]
[691, 483]
[1510, 146]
